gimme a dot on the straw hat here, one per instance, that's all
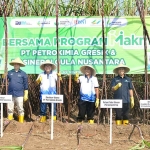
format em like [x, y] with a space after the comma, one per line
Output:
[127, 69]
[17, 61]
[82, 69]
[47, 62]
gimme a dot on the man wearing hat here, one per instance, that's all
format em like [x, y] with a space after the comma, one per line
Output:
[122, 87]
[18, 88]
[47, 81]
[89, 93]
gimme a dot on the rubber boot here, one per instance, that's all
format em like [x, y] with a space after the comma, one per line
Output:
[43, 119]
[125, 122]
[10, 117]
[79, 121]
[118, 122]
[54, 118]
[91, 121]
[21, 118]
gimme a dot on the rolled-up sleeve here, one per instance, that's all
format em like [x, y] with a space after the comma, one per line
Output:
[25, 81]
[112, 83]
[130, 85]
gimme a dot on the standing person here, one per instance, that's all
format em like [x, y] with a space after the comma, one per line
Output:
[89, 93]
[47, 81]
[18, 88]
[122, 87]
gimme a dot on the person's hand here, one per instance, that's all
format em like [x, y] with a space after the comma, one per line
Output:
[97, 103]
[132, 101]
[4, 75]
[39, 79]
[117, 86]
[59, 75]
[76, 77]
[25, 97]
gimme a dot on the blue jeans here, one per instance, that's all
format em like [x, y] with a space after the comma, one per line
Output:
[43, 108]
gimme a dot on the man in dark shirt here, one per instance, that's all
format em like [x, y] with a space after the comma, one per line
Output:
[18, 88]
[122, 87]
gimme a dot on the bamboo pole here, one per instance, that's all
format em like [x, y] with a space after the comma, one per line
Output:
[6, 45]
[69, 98]
[58, 66]
[104, 62]
[145, 34]
[104, 57]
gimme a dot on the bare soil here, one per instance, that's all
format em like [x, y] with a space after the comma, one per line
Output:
[36, 136]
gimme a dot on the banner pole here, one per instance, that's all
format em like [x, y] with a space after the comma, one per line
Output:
[140, 7]
[6, 48]
[58, 65]
[52, 122]
[110, 125]
[1, 119]
[103, 92]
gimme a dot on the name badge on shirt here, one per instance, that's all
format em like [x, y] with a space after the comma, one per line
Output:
[19, 75]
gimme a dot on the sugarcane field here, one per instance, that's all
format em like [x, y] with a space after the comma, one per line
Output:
[74, 74]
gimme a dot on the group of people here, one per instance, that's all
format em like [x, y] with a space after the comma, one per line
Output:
[121, 85]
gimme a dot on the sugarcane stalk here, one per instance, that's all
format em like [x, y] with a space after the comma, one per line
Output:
[69, 98]
[58, 65]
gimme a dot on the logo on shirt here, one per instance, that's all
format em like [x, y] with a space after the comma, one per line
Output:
[19, 75]
[126, 81]
[117, 80]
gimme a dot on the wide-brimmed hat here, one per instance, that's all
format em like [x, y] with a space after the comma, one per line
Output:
[82, 69]
[17, 61]
[47, 62]
[127, 69]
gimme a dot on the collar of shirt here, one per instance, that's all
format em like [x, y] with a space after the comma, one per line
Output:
[13, 70]
[49, 73]
[121, 77]
[88, 78]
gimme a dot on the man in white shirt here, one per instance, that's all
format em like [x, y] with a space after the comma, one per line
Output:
[89, 93]
[47, 81]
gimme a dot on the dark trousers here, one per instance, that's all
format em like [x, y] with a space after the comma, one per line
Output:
[43, 108]
[86, 107]
[123, 113]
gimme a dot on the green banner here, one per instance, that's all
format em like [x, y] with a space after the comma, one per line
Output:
[33, 39]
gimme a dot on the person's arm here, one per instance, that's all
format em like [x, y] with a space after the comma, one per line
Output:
[96, 85]
[25, 82]
[115, 86]
[59, 76]
[76, 78]
[131, 94]
[97, 92]
[39, 79]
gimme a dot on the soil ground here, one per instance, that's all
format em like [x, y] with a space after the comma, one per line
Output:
[91, 136]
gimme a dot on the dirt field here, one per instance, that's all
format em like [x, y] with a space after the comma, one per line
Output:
[92, 137]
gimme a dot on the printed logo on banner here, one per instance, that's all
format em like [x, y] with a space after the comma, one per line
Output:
[43, 22]
[17, 22]
[32, 23]
[21, 23]
[64, 23]
[117, 22]
[79, 22]
[96, 22]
